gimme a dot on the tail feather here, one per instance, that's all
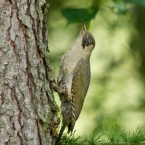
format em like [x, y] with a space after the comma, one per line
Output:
[73, 116]
[69, 117]
[60, 135]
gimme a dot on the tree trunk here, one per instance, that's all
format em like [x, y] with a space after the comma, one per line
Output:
[27, 107]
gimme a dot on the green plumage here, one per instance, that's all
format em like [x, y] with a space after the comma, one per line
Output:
[74, 79]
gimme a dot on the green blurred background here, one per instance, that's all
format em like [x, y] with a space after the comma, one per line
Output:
[116, 94]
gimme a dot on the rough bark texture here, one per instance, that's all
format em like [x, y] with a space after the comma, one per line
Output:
[27, 108]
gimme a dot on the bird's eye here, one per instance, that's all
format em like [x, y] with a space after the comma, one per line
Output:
[90, 41]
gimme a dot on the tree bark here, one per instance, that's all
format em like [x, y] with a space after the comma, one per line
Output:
[27, 106]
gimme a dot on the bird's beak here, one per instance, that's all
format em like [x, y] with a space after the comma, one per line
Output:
[83, 26]
[83, 29]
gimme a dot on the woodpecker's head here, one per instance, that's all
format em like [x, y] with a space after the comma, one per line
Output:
[87, 41]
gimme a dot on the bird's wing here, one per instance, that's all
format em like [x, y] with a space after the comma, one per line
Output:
[80, 84]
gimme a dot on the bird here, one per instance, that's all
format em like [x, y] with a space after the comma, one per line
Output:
[74, 78]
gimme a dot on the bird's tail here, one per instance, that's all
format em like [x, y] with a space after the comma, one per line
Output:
[60, 134]
[73, 117]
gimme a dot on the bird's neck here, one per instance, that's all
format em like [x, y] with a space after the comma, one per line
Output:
[80, 51]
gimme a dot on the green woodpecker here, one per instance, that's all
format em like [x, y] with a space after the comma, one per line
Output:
[74, 79]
